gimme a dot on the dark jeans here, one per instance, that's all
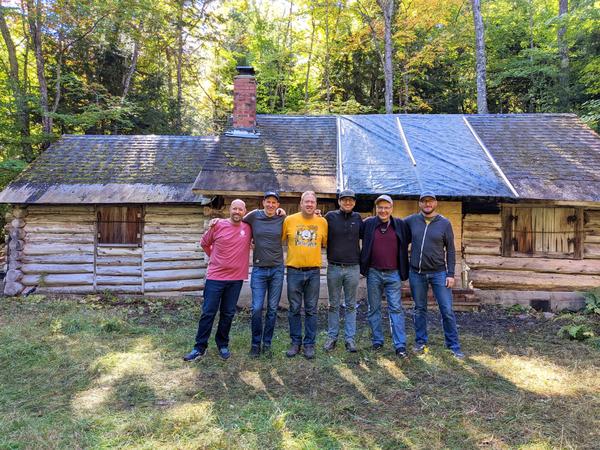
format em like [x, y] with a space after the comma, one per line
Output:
[222, 297]
[419, 285]
[266, 281]
[303, 286]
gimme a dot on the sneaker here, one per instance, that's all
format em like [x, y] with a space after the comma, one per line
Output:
[350, 346]
[377, 346]
[194, 355]
[420, 349]
[458, 354]
[401, 353]
[254, 351]
[293, 351]
[309, 351]
[329, 344]
[224, 353]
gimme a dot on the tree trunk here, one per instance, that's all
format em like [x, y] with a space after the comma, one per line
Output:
[563, 52]
[34, 18]
[310, 53]
[480, 58]
[179, 64]
[387, 8]
[131, 71]
[22, 113]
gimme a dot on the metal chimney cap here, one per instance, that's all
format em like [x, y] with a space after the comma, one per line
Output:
[245, 70]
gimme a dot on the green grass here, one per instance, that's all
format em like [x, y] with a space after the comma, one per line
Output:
[108, 373]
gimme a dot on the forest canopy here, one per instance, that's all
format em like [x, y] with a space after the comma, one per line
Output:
[166, 67]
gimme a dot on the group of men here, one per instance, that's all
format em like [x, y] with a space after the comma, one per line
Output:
[383, 258]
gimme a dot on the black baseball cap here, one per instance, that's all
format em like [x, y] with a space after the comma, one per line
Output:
[271, 194]
[347, 193]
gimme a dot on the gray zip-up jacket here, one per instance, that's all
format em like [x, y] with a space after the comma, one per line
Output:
[432, 244]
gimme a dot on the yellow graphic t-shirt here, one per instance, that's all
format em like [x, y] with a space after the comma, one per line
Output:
[304, 237]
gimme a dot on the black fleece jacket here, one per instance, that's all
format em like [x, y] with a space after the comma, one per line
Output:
[403, 235]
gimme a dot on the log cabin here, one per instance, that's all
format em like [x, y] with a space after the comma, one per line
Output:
[125, 213]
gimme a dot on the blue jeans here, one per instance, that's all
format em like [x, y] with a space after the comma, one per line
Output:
[303, 286]
[338, 278]
[265, 281]
[419, 285]
[388, 282]
[219, 296]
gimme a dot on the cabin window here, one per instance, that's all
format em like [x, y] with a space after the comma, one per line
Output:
[541, 231]
[120, 225]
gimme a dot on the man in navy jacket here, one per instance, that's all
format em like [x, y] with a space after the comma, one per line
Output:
[384, 261]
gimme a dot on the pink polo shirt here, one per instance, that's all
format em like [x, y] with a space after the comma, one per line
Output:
[228, 247]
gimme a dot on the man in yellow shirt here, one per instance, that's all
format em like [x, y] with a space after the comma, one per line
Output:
[305, 234]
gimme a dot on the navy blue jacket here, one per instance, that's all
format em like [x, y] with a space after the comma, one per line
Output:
[403, 234]
[432, 244]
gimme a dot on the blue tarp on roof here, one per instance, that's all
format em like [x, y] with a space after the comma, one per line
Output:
[449, 161]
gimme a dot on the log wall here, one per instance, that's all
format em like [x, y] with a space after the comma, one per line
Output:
[482, 247]
[54, 249]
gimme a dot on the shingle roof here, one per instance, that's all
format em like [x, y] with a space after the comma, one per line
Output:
[545, 156]
[113, 169]
[291, 154]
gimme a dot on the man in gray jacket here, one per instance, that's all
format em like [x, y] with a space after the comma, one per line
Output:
[432, 262]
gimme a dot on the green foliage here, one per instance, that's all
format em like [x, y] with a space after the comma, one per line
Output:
[592, 301]
[519, 309]
[576, 332]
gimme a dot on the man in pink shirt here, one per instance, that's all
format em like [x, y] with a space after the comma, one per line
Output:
[227, 244]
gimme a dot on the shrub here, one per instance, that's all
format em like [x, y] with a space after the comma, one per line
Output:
[592, 301]
[575, 332]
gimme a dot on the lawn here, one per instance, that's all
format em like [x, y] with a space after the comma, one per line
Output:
[101, 372]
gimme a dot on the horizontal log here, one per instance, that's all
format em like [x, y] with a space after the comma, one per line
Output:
[60, 238]
[186, 210]
[173, 256]
[592, 239]
[61, 228]
[171, 247]
[60, 258]
[174, 294]
[172, 275]
[170, 265]
[31, 269]
[482, 234]
[62, 210]
[542, 265]
[102, 280]
[175, 219]
[59, 279]
[118, 251]
[487, 218]
[173, 238]
[119, 270]
[480, 250]
[118, 260]
[180, 285]
[56, 249]
[66, 218]
[169, 229]
[509, 279]
[87, 289]
[591, 250]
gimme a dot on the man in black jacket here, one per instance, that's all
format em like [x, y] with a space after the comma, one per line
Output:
[343, 272]
[432, 262]
[384, 261]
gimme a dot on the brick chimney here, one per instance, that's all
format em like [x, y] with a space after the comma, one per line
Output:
[244, 98]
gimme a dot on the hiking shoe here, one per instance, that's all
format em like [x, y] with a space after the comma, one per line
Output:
[329, 344]
[224, 353]
[420, 349]
[309, 351]
[266, 350]
[350, 346]
[401, 353]
[254, 351]
[194, 355]
[293, 351]
[458, 354]
[377, 346]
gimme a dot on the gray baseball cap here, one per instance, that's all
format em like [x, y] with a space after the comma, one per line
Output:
[384, 197]
[347, 193]
[427, 194]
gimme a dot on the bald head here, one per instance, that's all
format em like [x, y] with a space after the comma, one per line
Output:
[237, 210]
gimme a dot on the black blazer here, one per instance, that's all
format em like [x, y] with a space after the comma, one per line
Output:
[366, 234]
